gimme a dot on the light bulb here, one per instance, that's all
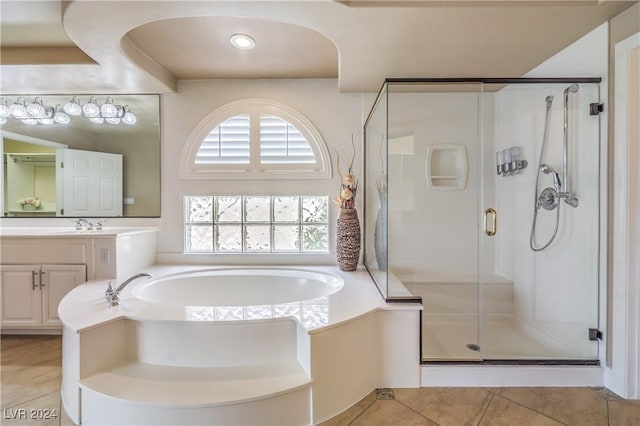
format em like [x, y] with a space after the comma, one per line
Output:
[73, 107]
[18, 109]
[242, 41]
[108, 109]
[96, 120]
[35, 108]
[48, 116]
[3, 120]
[4, 109]
[60, 116]
[91, 109]
[113, 120]
[30, 121]
[129, 117]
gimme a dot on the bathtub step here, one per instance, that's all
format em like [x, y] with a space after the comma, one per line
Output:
[192, 386]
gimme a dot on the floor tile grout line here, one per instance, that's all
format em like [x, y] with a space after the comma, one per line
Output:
[30, 400]
[486, 407]
[417, 412]
[534, 410]
[362, 412]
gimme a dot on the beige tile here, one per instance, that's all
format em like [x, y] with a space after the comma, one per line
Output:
[502, 412]
[447, 406]
[350, 414]
[624, 413]
[43, 411]
[29, 384]
[41, 350]
[11, 341]
[392, 413]
[572, 406]
[64, 418]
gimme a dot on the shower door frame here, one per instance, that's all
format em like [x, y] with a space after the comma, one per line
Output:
[481, 143]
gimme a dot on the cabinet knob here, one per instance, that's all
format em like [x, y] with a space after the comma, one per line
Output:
[41, 280]
[33, 280]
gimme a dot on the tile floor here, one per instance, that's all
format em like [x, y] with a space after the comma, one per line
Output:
[31, 372]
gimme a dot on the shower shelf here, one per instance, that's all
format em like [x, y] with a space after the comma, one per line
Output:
[446, 166]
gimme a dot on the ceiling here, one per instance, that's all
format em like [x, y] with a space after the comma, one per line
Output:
[146, 47]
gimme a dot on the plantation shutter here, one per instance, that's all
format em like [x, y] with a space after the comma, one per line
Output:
[282, 143]
[227, 143]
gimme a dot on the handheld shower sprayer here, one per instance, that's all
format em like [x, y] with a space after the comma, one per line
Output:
[549, 101]
[548, 170]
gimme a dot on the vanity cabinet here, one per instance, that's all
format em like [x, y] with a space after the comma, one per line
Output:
[31, 293]
[35, 274]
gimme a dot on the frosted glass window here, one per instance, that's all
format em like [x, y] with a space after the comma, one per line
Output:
[315, 209]
[256, 224]
[257, 238]
[286, 238]
[228, 209]
[286, 209]
[228, 238]
[258, 209]
[199, 209]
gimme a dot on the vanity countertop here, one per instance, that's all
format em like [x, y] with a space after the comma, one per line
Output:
[70, 232]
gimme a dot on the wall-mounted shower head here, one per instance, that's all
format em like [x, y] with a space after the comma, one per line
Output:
[548, 170]
[572, 89]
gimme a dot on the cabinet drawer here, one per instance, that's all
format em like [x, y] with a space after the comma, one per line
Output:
[48, 250]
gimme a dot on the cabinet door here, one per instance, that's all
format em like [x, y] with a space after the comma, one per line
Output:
[20, 293]
[56, 282]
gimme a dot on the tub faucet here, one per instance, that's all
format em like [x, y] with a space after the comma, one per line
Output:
[113, 296]
[80, 221]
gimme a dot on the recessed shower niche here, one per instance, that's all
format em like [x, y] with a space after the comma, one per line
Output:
[508, 268]
[446, 166]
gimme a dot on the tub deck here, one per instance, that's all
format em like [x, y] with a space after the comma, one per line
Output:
[151, 363]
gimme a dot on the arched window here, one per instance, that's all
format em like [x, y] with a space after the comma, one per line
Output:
[255, 138]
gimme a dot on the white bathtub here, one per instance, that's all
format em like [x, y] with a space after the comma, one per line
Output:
[237, 287]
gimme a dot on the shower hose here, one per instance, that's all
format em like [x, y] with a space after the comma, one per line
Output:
[532, 243]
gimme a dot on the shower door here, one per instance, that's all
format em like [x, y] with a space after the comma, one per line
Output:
[539, 273]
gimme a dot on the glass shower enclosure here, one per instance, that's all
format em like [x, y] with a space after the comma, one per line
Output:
[482, 199]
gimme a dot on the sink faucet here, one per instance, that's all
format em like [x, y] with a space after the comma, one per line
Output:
[80, 221]
[112, 296]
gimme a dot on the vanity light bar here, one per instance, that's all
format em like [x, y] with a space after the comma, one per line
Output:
[36, 112]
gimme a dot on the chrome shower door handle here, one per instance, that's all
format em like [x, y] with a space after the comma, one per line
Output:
[494, 222]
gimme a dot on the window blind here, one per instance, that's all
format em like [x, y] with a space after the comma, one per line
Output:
[227, 143]
[282, 143]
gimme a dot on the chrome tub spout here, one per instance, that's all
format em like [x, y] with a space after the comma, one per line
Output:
[113, 296]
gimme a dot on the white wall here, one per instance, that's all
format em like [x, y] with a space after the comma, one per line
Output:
[337, 116]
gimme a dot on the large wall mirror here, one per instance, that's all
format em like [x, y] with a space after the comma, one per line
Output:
[83, 168]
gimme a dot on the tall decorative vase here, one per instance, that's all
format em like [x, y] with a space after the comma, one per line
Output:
[348, 240]
[380, 238]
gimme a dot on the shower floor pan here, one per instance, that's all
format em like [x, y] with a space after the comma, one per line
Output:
[454, 337]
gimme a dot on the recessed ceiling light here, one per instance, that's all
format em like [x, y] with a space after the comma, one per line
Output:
[242, 41]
